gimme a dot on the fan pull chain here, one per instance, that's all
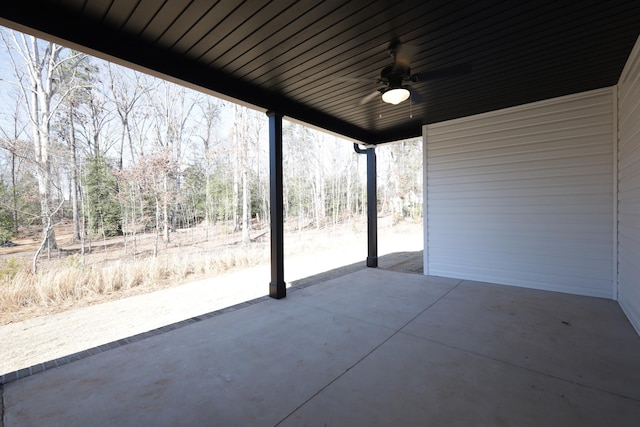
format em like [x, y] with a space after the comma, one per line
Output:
[411, 107]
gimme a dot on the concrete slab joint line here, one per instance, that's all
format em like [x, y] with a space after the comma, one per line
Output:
[373, 347]
[357, 362]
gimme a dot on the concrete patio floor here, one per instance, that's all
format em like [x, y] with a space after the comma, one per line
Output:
[372, 347]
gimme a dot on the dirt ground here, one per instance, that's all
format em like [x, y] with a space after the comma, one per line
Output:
[47, 334]
[102, 250]
[214, 240]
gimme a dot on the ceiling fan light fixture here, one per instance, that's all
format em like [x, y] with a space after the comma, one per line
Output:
[396, 95]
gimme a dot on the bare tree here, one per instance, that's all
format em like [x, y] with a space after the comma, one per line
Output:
[12, 142]
[126, 87]
[173, 107]
[71, 117]
[246, 134]
[210, 110]
[40, 69]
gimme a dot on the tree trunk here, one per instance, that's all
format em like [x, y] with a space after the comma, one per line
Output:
[48, 234]
[246, 239]
[155, 243]
[235, 191]
[318, 197]
[74, 179]
[39, 91]
[175, 209]
[83, 234]
[165, 209]
[15, 192]
[265, 209]
[208, 208]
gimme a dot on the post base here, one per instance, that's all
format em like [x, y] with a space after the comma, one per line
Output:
[277, 290]
[372, 261]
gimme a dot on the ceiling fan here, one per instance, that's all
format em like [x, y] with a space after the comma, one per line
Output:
[397, 76]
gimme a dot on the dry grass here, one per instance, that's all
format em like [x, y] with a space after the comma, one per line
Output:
[74, 283]
[110, 273]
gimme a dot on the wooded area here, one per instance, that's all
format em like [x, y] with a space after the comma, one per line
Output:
[114, 152]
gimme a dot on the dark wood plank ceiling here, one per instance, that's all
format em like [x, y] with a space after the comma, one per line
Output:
[296, 57]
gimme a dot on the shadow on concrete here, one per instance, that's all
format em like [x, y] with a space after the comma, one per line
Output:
[406, 262]
[403, 262]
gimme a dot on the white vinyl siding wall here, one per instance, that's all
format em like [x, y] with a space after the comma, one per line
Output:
[524, 196]
[629, 188]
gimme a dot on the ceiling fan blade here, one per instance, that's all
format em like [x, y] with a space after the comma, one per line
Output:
[439, 73]
[355, 79]
[403, 55]
[369, 97]
[416, 96]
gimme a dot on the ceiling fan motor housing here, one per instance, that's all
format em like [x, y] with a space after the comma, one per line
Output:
[394, 75]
